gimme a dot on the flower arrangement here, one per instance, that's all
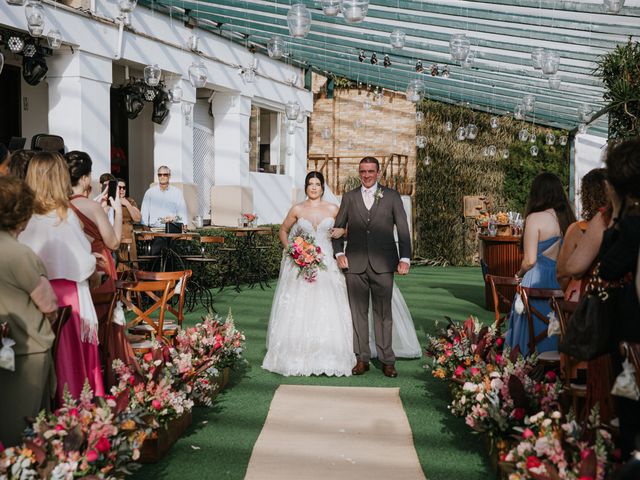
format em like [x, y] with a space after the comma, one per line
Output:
[83, 438]
[378, 194]
[307, 256]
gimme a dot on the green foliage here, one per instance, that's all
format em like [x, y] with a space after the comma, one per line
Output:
[620, 73]
[456, 169]
[341, 82]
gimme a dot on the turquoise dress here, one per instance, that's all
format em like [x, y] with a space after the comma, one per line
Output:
[542, 275]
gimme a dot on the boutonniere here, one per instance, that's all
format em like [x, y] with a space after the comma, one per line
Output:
[378, 194]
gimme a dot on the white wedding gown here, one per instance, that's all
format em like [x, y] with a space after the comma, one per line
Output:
[310, 329]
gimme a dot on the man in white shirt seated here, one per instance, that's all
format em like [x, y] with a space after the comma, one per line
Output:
[163, 203]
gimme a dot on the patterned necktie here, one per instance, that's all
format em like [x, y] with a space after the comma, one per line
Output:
[368, 198]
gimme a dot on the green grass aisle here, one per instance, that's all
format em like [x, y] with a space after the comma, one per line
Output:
[219, 443]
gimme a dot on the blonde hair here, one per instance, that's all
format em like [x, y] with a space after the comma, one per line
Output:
[48, 176]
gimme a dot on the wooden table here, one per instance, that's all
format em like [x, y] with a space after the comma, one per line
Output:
[501, 256]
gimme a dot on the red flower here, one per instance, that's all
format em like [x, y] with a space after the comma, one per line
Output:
[537, 387]
[132, 380]
[459, 371]
[73, 412]
[585, 453]
[156, 404]
[533, 462]
[528, 433]
[318, 249]
[92, 456]
[551, 376]
[103, 445]
[518, 413]
[475, 371]
[58, 428]
[586, 477]
[499, 341]
[499, 359]
[148, 357]
[456, 339]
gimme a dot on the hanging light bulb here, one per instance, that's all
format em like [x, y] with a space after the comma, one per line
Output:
[152, 75]
[529, 101]
[419, 116]
[519, 112]
[354, 11]
[532, 138]
[426, 161]
[127, 6]
[492, 150]
[461, 134]
[175, 94]
[326, 133]
[494, 122]
[331, 8]
[459, 46]
[550, 62]
[291, 110]
[448, 126]
[523, 135]
[415, 90]
[613, 6]
[198, 74]
[485, 152]
[534, 151]
[275, 47]
[397, 39]
[421, 141]
[505, 153]
[472, 131]
[54, 38]
[554, 82]
[34, 12]
[563, 140]
[550, 138]
[536, 58]
[299, 20]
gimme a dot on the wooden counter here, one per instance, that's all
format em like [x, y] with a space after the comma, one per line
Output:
[499, 256]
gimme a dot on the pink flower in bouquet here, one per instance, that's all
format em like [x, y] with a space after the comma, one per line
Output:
[519, 413]
[586, 477]
[528, 433]
[475, 371]
[148, 357]
[103, 445]
[456, 339]
[92, 456]
[585, 453]
[499, 359]
[73, 412]
[459, 371]
[551, 376]
[156, 404]
[533, 462]
[499, 341]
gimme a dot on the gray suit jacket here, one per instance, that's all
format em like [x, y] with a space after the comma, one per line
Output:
[370, 236]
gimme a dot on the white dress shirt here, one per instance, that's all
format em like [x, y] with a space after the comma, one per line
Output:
[158, 204]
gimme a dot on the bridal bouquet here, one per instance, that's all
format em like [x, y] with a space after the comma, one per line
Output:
[307, 256]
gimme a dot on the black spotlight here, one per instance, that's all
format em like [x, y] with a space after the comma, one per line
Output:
[361, 56]
[374, 59]
[34, 69]
[419, 67]
[133, 101]
[160, 106]
[387, 61]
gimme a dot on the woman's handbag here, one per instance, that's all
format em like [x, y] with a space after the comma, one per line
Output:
[589, 329]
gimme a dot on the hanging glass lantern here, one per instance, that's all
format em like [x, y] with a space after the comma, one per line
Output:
[127, 6]
[469, 61]
[459, 46]
[494, 122]
[563, 140]
[152, 75]
[198, 74]
[354, 11]
[534, 151]
[397, 39]
[519, 112]
[175, 94]
[331, 8]
[448, 126]
[550, 138]
[529, 101]
[554, 82]
[472, 131]
[613, 6]
[485, 152]
[492, 150]
[536, 58]
[275, 47]
[54, 38]
[421, 141]
[584, 112]
[582, 128]
[15, 2]
[505, 153]
[291, 110]
[326, 133]
[550, 62]
[419, 116]
[523, 135]
[299, 20]
[426, 161]
[532, 138]
[34, 12]
[415, 90]
[461, 134]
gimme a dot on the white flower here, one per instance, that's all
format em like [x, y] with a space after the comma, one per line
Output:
[496, 384]
[556, 415]
[479, 397]
[470, 387]
[546, 422]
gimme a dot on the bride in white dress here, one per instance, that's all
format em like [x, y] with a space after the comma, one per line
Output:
[310, 329]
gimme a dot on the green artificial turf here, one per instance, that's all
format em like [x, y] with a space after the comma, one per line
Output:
[219, 443]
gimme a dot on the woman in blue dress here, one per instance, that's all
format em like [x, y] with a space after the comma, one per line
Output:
[547, 216]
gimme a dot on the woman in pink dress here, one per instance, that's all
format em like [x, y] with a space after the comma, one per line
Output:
[54, 233]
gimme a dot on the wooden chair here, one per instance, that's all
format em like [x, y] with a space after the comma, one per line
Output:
[62, 316]
[500, 302]
[527, 294]
[179, 282]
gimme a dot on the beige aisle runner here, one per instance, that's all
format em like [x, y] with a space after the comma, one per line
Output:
[334, 433]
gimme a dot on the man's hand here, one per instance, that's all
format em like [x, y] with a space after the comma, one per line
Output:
[343, 263]
[403, 268]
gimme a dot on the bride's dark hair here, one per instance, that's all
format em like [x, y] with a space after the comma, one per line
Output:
[311, 175]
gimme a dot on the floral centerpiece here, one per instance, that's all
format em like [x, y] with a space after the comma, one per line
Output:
[83, 438]
[249, 219]
[307, 256]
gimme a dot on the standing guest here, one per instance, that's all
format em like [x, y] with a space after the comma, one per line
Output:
[547, 217]
[130, 215]
[619, 265]
[27, 304]
[4, 160]
[19, 163]
[54, 233]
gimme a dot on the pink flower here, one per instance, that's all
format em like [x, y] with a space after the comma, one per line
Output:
[499, 359]
[156, 404]
[551, 376]
[132, 380]
[456, 339]
[518, 414]
[528, 433]
[533, 462]
[92, 456]
[58, 428]
[499, 341]
[475, 371]
[103, 445]
[73, 412]
[459, 371]
[585, 453]
[586, 477]
[148, 357]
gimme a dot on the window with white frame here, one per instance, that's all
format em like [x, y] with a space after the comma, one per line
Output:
[268, 141]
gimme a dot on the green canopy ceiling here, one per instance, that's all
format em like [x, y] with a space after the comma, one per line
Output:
[502, 32]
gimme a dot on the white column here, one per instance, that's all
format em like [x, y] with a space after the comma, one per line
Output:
[79, 104]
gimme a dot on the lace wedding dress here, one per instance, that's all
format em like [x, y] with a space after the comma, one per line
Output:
[310, 330]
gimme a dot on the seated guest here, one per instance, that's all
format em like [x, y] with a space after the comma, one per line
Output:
[27, 303]
[548, 215]
[55, 234]
[4, 160]
[19, 163]
[130, 215]
[593, 197]
[619, 266]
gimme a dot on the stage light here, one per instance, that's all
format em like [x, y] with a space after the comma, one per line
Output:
[34, 69]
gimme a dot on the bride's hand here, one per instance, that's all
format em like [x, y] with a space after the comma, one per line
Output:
[337, 232]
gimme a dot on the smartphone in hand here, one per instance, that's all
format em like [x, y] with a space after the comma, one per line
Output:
[112, 189]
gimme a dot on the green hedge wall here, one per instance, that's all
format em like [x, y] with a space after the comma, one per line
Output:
[449, 169]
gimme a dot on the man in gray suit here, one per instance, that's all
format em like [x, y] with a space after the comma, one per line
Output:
[370, 213]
